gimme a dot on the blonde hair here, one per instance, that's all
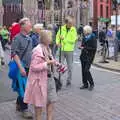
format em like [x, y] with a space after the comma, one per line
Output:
[38, 26]
[45, 34]
[50, 27]
[87, 29]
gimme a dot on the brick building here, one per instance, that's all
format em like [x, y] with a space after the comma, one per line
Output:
[101, 9]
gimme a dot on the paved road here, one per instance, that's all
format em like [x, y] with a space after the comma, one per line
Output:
[101, 77]
[74, 104]
[6, 93]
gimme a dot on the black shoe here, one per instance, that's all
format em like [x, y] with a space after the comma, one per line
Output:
[104, 61]
[68, 84]
[84, 87]
[91, 87]
[2, 63]
[18, 108]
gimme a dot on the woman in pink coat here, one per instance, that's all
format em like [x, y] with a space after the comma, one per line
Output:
[40, 89]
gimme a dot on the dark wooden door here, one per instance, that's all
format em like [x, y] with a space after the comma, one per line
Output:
[12, 12]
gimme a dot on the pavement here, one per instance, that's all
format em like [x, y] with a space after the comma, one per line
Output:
[112, 65]
[103, 103]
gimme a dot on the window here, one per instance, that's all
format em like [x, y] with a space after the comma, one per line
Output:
[107, 14]
[40, 4]
[107, 1]
[101, 10]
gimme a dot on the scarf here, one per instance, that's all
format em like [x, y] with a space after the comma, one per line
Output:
[89, 37]
[48, 56]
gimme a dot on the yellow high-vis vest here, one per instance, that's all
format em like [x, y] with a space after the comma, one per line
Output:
[70, 37]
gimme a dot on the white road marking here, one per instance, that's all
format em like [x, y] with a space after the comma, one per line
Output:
[76, 62]
[99, 69]
[105, 70]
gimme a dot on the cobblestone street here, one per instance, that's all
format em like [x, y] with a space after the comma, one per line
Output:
[74, 104]
[101, 104]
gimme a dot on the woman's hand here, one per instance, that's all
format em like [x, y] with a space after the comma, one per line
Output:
[23, 72]
[80, 47]
[61, 37]
[51, 62]
[59, 45]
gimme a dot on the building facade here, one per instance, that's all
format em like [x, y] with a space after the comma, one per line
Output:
[104, 8]
[1, 13]
[101, 9]
[48, 12]
[30, 10]
[13, 10]
[84, 12]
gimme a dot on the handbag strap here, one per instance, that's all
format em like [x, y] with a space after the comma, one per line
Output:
[25, 50]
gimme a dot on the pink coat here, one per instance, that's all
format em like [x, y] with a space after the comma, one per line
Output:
[36, 89]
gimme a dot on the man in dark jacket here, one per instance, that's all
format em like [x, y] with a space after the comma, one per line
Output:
[104, 43]
[102, 36]
[89, 47]
[80, 32]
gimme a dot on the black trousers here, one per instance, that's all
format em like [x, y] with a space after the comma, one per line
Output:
[86, 75]
[4, 42]
[22, 106]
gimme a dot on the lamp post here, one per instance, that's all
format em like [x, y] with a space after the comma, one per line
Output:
[115, 3]
[61, 16]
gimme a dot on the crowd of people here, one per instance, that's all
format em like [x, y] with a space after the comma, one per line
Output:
[4, 39]
[33, 64]
[109, 38]
[6, 36]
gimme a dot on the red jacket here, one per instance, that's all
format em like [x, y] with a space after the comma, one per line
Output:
[15, 29]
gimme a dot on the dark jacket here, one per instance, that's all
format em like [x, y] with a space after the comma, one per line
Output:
[80, 30]
[90, 47]
[35, 39]
[118, 35]
[102, 37]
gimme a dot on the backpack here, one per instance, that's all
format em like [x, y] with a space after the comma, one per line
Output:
[109, 33]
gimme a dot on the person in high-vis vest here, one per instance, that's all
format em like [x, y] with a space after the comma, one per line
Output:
[66, 40]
